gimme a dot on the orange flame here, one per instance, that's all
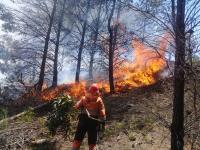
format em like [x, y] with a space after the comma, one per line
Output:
[143, 71]
[75, 90]
[145, 68]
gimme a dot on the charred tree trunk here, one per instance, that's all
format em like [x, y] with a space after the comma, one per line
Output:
[55, 66]
[177, 127]
[94, 43]
[111, 49]
[173, 14]
[78, 68]
[42, 68]
[91, 66]
[115, 30]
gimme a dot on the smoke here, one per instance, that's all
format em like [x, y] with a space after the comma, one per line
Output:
[2, 77]
[67, 74]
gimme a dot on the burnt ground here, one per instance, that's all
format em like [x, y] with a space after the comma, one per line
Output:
[137, 120]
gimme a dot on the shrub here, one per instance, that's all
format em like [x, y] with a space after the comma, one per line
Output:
[61, 115]
[27, 116]
[3, 115]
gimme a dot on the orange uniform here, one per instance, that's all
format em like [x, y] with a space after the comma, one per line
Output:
[92, 110]
[95, 108]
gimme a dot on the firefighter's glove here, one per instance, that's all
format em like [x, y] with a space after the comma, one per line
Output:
[102, 125]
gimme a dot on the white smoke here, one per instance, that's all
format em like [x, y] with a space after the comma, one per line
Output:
[2, 77]
[67, 74]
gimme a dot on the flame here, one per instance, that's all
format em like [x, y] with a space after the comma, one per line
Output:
[75, 90]
[144, 70]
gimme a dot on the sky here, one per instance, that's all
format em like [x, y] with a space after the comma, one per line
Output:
[9, 3]
[67, 74]
[64, 76]
[2, 77]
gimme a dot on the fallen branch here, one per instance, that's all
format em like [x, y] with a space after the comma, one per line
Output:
[42, 107]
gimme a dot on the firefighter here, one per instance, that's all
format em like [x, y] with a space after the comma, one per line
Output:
[92, 117]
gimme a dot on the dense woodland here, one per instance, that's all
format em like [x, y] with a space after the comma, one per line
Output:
[93, 39]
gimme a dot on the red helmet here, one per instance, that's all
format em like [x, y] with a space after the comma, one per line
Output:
[94, 89]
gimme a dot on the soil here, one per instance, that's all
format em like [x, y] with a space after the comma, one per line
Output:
[136, 120]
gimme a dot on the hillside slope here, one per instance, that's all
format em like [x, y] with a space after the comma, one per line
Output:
[138, 119]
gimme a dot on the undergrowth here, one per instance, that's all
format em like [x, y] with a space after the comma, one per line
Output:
[3, 116]
[62, 115]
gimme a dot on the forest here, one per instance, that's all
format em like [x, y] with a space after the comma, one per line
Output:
[141, 57]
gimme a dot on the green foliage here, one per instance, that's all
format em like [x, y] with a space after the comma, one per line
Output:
[132, 136]
[62, 115]
[3, 115]
[148, 139]
[141, 125]
[28, 115]
[117, 127]
[108, 132]
[41, 121]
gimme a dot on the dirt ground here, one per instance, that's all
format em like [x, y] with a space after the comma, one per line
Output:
[136, 120]
[132, 121]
